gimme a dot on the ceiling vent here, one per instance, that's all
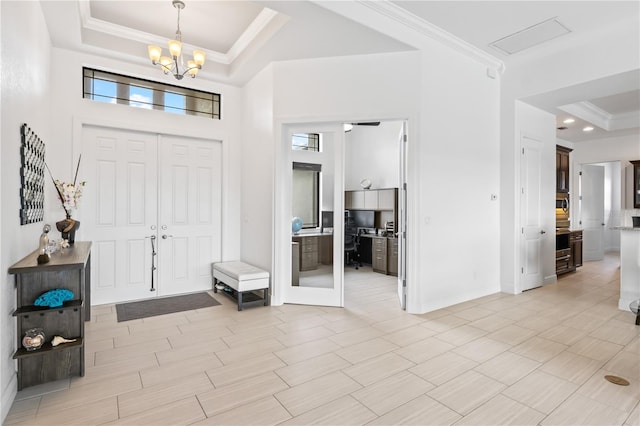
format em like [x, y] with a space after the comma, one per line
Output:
[532, 36]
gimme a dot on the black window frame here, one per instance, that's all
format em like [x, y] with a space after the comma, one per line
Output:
[193, 98]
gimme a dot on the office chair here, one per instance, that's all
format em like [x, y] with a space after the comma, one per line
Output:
[351, 243]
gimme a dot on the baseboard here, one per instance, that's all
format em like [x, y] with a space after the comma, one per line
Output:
[551, 279]
[8, 396]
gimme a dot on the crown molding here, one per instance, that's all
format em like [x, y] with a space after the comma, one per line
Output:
[601, 118]
[249, 36]
[426, 29]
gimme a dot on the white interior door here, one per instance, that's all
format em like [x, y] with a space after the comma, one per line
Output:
[138, 193]
[190, 215]
[592, 212]
[530, 214]
[331, 199]
[119, 211]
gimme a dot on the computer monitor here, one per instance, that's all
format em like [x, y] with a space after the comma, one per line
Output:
[327, 221]
[363, 218]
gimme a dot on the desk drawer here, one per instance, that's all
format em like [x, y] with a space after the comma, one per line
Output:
[309, 261]
[379, 242]
[309, 241]
[309, 248]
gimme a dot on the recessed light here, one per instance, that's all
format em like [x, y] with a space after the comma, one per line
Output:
[587, 129]
[569, 121]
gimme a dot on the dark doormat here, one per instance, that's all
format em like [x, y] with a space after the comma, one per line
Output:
[164, 305]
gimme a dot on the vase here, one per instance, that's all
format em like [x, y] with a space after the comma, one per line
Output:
[68, 228]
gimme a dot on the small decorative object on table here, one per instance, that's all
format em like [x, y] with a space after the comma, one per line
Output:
[365, 183]
[58, 340]
[43, 248]
[54, 298]
[296, 225]
[69, 195]
[33, 339]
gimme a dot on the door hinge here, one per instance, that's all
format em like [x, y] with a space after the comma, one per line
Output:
[522, 270]
[404, 283]
[404, 186]
[522, 151]
[404, 137]
[522, 230]
[580, 173]
[580, 198]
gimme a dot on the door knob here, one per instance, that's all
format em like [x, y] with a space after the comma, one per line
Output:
[165, 236]
[542, 232]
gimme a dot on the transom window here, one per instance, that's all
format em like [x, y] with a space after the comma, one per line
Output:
[113, 88]
[306, 142]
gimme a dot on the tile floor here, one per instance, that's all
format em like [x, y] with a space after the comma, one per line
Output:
[535, 358]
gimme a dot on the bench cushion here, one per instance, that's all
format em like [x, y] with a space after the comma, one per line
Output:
[241, 276]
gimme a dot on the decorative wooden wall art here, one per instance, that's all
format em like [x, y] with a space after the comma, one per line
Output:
[31, 177]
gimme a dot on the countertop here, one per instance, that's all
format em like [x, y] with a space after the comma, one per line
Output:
[626, 228]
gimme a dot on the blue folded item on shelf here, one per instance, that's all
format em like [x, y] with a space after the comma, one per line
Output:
[54, 298]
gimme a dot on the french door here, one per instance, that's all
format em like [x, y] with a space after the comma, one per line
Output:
[152, 207]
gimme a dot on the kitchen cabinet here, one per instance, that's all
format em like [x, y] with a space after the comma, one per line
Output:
[562, 168]
[575, 244]
[636, 184]
[69, 269]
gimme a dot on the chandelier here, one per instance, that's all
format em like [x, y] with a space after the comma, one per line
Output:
[174, 64]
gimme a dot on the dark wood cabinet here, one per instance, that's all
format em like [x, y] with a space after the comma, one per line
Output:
[562, 168]
[392, 256]
[636, 184]
[575, 244]
[68, 269]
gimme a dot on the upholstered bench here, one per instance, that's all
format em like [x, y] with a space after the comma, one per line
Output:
[241, 281]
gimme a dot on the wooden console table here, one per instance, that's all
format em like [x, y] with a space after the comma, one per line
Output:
[70, 269]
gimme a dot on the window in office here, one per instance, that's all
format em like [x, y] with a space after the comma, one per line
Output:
[306, 142]
[113, 88]
[305, 194]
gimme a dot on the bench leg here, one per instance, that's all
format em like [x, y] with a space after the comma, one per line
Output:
[215, 282]
[239, 300]
[264, 295]
[638, 319]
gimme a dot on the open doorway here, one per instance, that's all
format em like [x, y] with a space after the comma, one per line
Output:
[374, 206]
[600, 207]
[293, 271]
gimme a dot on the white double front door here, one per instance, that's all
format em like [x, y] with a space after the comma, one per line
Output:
[152, 208]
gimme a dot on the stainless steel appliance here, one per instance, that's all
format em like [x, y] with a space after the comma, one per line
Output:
[562, 210]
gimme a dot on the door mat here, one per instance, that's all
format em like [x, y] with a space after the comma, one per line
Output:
[165, 305]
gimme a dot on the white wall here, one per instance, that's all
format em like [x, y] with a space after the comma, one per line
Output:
[607, 52]
[373, 152]
[257, 171]
[453, 168]
[25, 99]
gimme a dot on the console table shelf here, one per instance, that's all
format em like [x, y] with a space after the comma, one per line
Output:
[68, 269]
[23, 353]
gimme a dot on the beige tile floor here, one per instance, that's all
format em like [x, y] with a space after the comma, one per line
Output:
[534, 358]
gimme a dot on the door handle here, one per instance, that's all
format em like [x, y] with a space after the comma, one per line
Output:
[165, 236]
[542, 232]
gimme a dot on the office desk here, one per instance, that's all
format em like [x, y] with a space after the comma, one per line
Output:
[314, 248]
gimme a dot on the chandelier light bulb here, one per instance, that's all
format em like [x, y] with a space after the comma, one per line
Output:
[175, 47]
[193, 68]
[154, 53]
[198, 57]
